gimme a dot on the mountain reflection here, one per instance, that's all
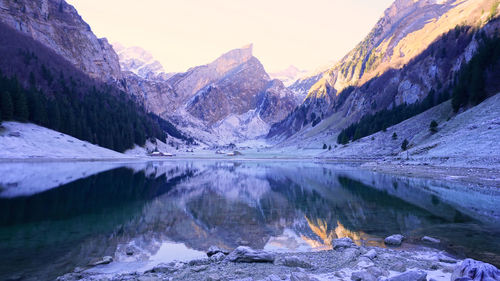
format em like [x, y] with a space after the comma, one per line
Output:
[189, 206]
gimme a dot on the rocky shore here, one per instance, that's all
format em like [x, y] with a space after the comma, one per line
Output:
[346, 261]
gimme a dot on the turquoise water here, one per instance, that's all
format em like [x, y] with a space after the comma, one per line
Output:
[58, 216]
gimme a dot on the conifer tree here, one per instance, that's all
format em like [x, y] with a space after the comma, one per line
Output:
[7, 106]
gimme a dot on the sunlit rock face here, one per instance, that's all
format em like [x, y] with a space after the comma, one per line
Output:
[228, 100]
[398, 62]
[58, 26]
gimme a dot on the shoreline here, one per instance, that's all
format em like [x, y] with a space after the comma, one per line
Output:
[345, 261]
[478, 176]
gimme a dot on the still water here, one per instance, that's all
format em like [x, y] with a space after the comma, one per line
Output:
[58, 216]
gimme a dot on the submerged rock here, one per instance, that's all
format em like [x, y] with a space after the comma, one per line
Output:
[394, 240]
[431, 240]
[345, 242]
[293, 261]
[410, 276]
[247, 254]
[471, 269]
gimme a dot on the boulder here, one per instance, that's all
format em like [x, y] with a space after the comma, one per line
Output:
[398, 266]
[371, 254]
[293, 261]
[345, 242]
[247, 254]
[362, 276]
[471, 269]
[196, 262]
[218, 257]
[410, 276]
[170, 267]
[394, 240]
[214, 250]
[431, 240]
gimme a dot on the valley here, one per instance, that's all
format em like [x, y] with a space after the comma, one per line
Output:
[381, 165]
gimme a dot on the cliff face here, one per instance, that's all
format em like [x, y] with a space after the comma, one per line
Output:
[400, 61]
[231, 99]
[58, 26]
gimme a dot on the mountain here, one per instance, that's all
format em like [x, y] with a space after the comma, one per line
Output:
[289, 75]
[58, 26]
[54, 72]
[228, 100]
[140, 62]
[414, 48]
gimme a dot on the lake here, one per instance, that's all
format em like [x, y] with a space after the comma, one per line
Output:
[55, 217]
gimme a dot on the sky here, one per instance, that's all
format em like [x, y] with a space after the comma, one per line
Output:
[186, 33]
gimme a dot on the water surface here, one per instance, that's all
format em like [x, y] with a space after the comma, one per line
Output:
[58, 216]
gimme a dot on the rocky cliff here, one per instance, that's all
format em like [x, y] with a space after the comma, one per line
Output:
[415, 47]
[228, 100]
[58, 26]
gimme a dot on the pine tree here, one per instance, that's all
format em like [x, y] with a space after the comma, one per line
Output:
[433, 126]
[21, 111]
[394, 136]
[404, 145]
[7, 106]
[325, 146]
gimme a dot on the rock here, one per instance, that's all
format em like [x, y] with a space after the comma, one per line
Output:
[149, 278]
[196, 262]
[371, 254]
[398, 266]
[199, 268]
[103, 260]
[272, 277]
[300, 276]
[345, 242]
[213, 277]
[15, 134]
[350, 254]
[410, 276]
[431, 240]
[364, 262]
[471, 269]
[293, 261]
[214, 250]
[129, 251]
[447, 259]
[377, 272]
[247, 254]
[218, 257]
[394, 240]
[362, 276]
[170, 267]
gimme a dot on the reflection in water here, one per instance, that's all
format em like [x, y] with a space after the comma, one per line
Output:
[176, 210]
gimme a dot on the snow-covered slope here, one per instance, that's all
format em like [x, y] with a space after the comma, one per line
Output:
[468, 139]
[29, 141]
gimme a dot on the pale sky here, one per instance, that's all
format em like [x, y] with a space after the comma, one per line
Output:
[186, 33]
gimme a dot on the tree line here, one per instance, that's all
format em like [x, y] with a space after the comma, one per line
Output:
[97, 116]
[471, 85]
